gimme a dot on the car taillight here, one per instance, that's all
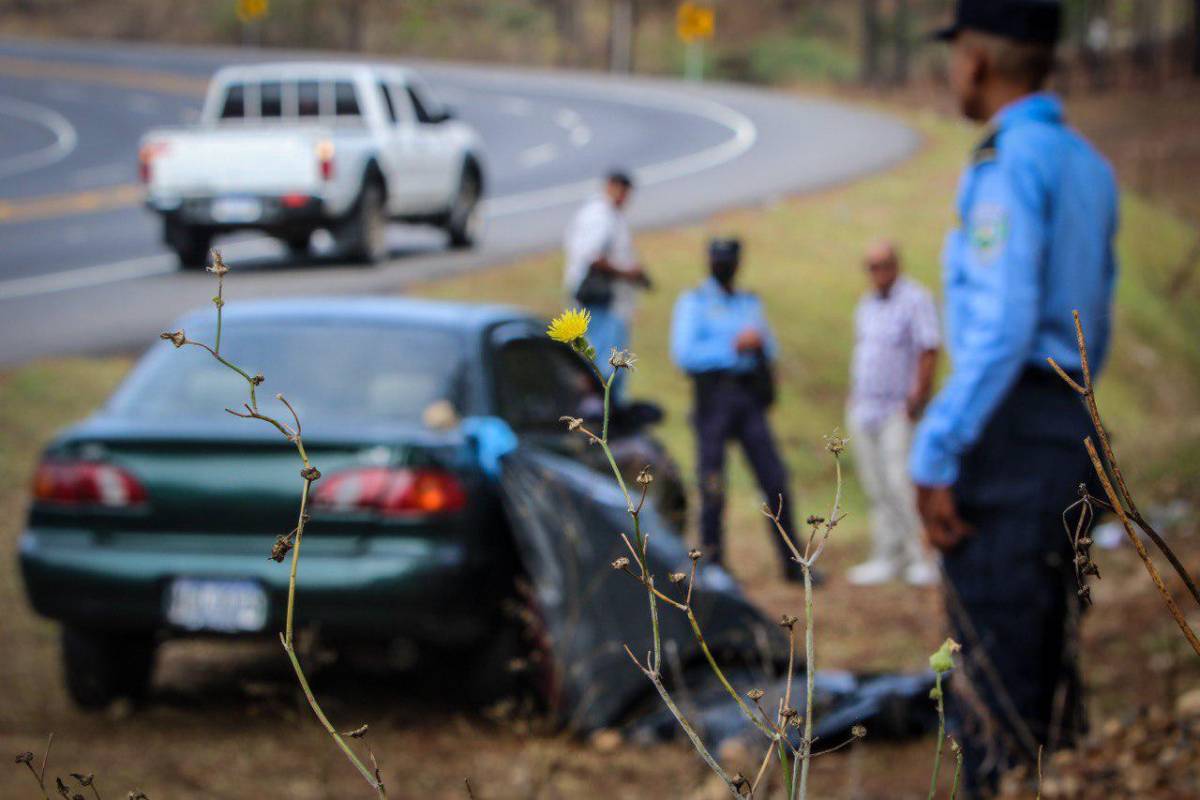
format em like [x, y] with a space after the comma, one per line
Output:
[391, 492]
[86, 483]
[146, 156]
[325, 159]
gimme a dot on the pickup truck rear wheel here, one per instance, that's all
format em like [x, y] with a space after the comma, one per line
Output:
[189, 243]
[102, 667]
[462, 222]
[363, 236]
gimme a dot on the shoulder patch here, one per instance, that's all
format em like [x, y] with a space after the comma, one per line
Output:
[988, 231]
[986, 149]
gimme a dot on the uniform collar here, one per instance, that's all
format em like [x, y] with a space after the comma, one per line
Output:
[711, 286]
[1040, 107]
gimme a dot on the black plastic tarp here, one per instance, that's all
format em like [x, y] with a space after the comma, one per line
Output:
[566, 521]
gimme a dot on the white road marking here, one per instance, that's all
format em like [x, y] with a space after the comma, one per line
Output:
[580, 135]
[65, 138]
[537, 155]
[85, 277]
[744, 136]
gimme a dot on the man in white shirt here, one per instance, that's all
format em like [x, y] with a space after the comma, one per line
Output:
[896, 340]
[603, 274]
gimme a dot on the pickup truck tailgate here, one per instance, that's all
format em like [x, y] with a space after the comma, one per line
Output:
[224, 161]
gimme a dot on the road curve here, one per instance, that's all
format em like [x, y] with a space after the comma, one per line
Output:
[82, 270]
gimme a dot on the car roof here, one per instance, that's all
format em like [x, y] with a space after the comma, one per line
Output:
[391, 310]
[327, 70]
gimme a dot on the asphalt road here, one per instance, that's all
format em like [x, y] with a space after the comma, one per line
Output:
[82, 269]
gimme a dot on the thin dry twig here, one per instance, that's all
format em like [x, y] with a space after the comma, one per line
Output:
[1087, 391]
[1123, 504]
[309, 474]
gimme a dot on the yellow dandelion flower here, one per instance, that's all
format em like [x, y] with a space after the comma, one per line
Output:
[569, 326]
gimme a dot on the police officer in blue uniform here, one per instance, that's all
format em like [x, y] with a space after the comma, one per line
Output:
[721, 339]
[999, 455]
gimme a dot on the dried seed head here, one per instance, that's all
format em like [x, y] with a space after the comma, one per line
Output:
[310, 473]
[955, 747]
[136, 795]
[1085, 594]
[756, 694]
[573, 423]
[814, 520]
[620, 563]
[677, 577]
[622, 359]
[788, 713]
[282, 546]
[24, 758]
[258, 379]
[218, 267]
[62, 788]
[176, 338]
[357, 733]
[645, 478]
[695, 555]
[835, 444]
[84, 780]
[858, 731]
[788, 621]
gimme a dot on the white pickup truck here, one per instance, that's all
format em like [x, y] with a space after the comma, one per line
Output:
[291, 148]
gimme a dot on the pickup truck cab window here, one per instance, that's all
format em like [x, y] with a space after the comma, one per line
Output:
[308, 99]
[270, 100]
[388, 105]
[234, 105]
[345, 99]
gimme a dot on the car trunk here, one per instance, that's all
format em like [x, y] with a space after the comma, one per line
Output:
[229, 160]
[220, 479]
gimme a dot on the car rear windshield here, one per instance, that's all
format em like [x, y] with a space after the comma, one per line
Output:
[290, 100]
[348, 372]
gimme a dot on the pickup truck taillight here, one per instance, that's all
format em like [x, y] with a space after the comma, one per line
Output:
[391, 492]
[146, 156]
[86, 483]
[325, 159]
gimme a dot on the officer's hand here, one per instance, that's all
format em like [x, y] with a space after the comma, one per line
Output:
[944, 528]
[915, 406]
[748, 339]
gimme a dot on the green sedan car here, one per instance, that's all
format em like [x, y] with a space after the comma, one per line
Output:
[154, 518]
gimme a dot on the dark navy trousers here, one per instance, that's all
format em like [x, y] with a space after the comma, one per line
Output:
[1011, 593]
[725, 409]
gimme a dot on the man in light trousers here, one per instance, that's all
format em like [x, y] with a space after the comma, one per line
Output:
[895, 353]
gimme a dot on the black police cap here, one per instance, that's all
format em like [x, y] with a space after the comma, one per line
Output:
[724, 249]
[1032, 21]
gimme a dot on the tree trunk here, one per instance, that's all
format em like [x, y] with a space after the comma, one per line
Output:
[902, 43]
[1196, 38]
[869, 72]
[621, 35]
[566, 28]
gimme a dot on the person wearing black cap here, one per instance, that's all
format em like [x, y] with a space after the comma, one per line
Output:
[998, 456]
[720, 337]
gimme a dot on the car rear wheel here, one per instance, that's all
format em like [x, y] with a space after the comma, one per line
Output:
[363, 236]
[190, 244]
[103, 667]
[462, 222]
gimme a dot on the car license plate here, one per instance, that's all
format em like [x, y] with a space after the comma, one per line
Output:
[236, 209]
[226, 606]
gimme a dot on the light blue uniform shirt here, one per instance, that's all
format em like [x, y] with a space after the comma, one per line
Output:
[706, 323]
[1037, 218]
